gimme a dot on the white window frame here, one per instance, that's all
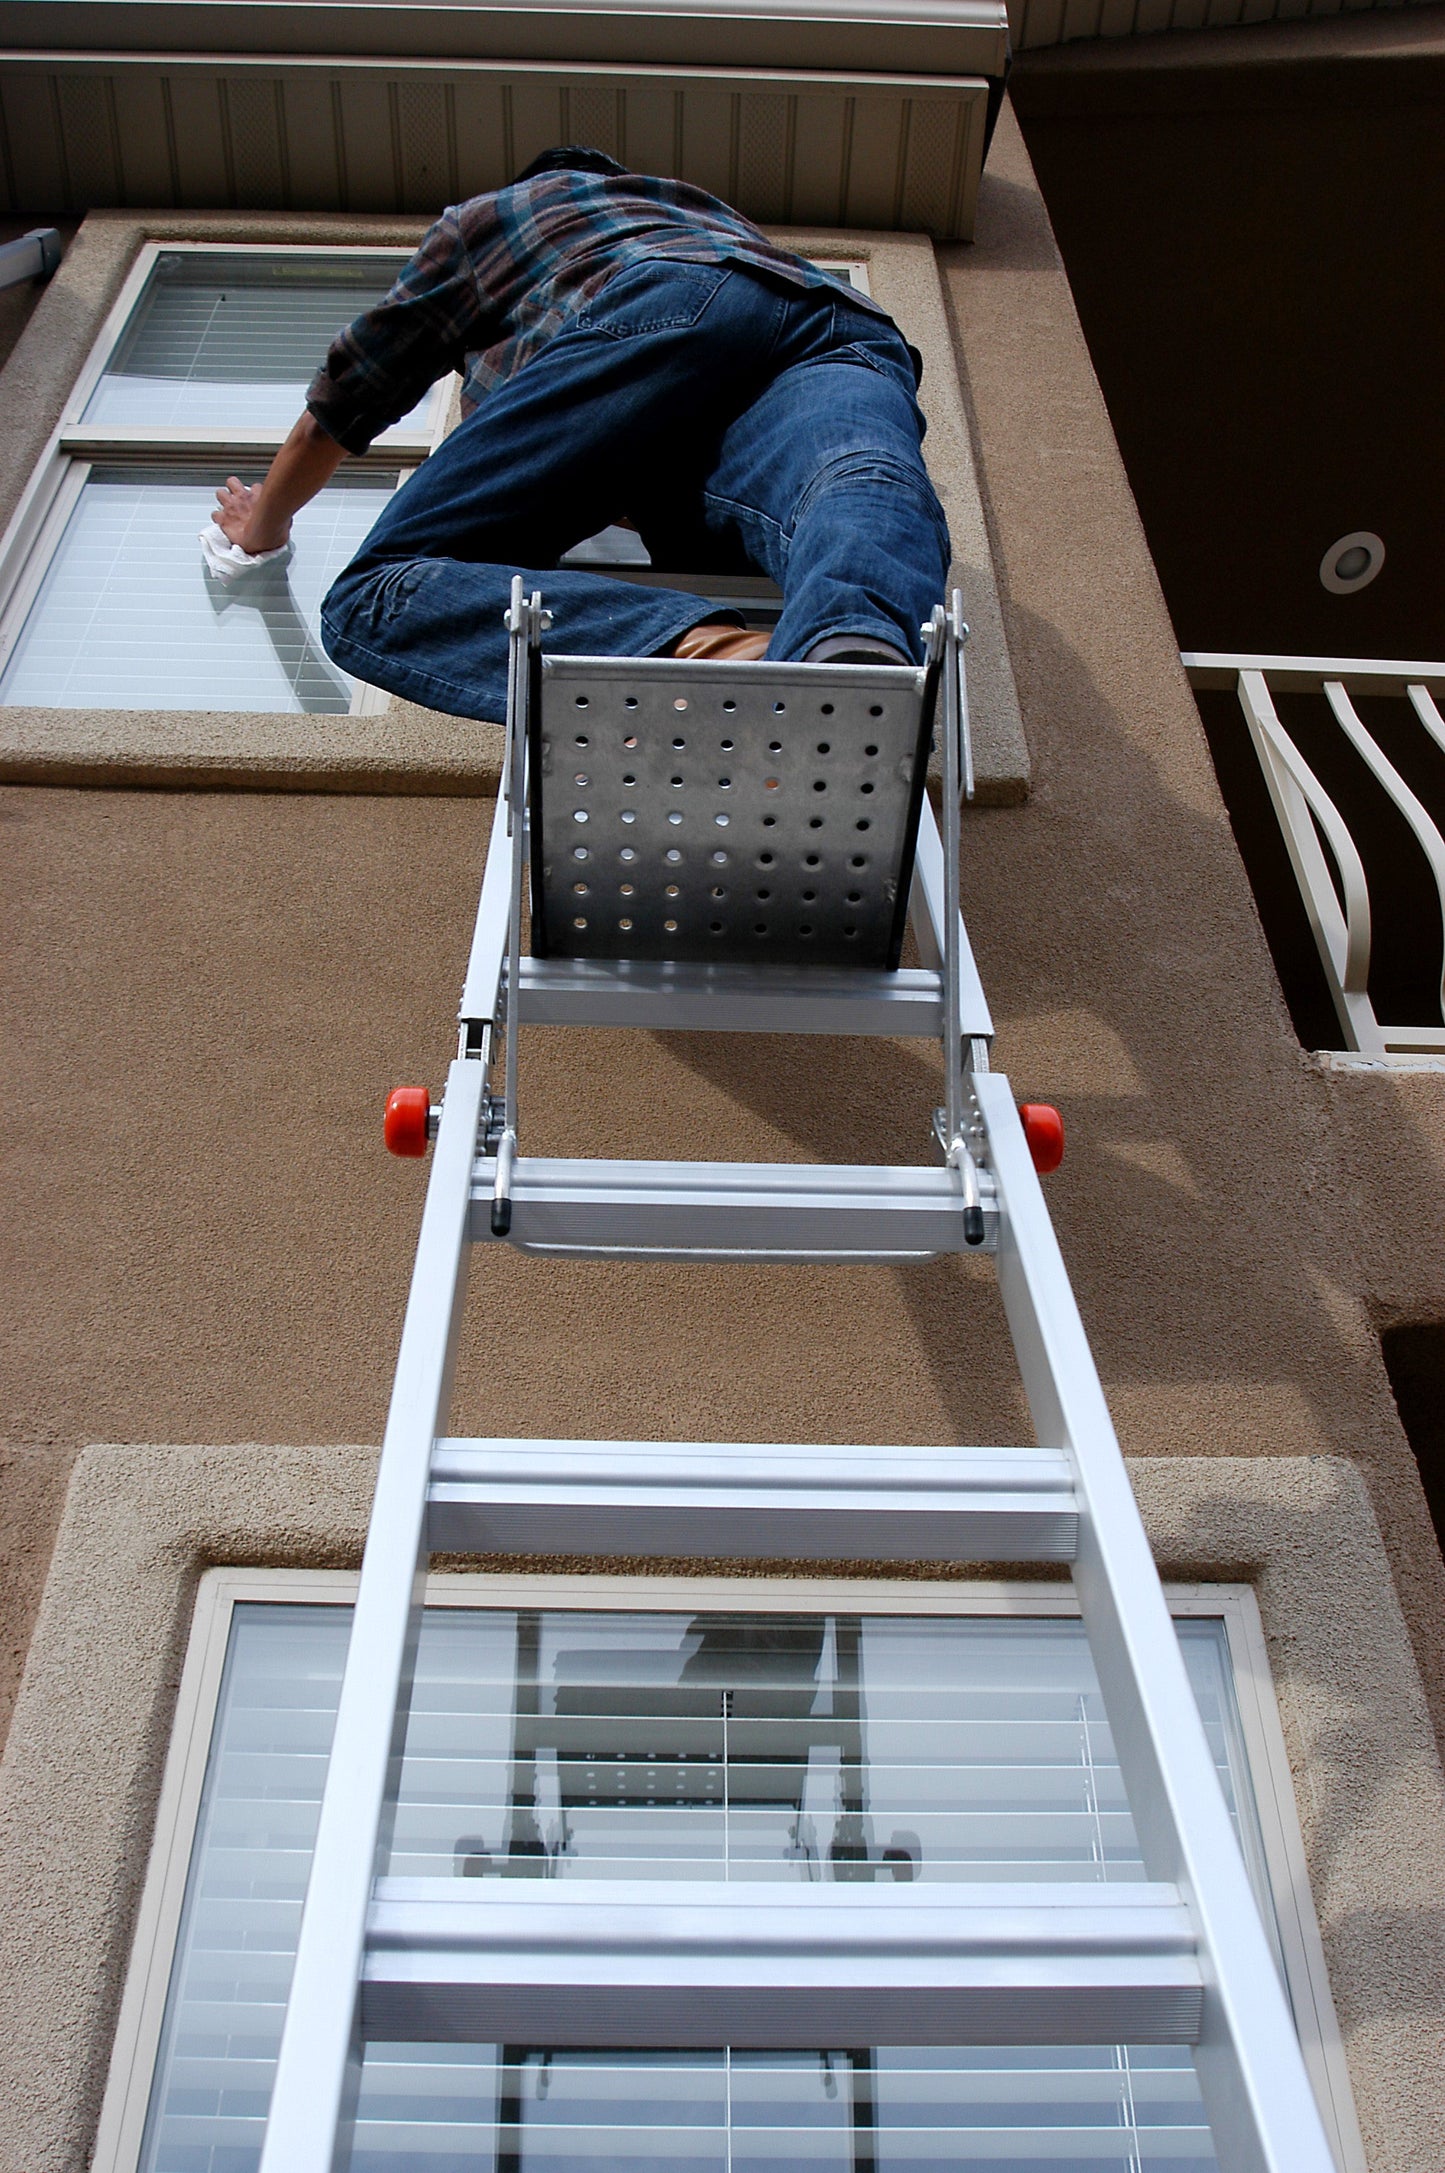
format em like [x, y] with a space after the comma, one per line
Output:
[74, 446]
[220, 1591]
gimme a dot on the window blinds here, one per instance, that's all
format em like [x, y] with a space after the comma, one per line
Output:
[727, 1745]
[127, 618]
[231, 342]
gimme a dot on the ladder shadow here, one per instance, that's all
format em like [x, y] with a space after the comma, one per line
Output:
[811, 1092]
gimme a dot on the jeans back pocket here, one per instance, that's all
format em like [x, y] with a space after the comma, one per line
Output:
[657, 295]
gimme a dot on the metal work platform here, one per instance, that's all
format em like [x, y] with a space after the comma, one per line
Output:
[869, 1959]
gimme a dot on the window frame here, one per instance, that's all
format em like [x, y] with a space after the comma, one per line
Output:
[221, 1590]
[34, 532]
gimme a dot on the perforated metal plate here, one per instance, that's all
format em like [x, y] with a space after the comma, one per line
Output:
[724, 811]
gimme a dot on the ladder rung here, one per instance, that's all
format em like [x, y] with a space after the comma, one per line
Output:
[733, 999]
[595, 1962]
[730, 1210]
[755, 1501]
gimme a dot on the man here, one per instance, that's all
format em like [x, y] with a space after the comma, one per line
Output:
[632, 350]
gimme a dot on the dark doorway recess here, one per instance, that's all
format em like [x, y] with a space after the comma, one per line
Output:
[1415, 1362]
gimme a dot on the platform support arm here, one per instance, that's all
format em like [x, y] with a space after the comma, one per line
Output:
[483, 996]
[945, 636]
[318, 2071]
[526, 621]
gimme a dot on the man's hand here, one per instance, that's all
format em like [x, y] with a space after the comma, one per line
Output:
[242, 520]
[257, 516]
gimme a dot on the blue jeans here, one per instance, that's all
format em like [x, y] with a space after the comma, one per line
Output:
[741, 423]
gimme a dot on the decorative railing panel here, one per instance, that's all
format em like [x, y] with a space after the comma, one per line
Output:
[1322, 830]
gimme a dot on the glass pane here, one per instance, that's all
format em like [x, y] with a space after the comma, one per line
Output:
[128, 618]
[1009, 1689]
[232, 342]
[249, 1865]
[801, 1748]
[521, 2109]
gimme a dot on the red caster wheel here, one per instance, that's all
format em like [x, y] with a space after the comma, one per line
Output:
[1044, 1131]
[407, 1124]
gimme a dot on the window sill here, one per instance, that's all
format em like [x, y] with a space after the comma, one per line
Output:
[402, 749]
[399, 749]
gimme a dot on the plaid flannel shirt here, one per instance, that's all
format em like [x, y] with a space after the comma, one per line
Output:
[499, 276]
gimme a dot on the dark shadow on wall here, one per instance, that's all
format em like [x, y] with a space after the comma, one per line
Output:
[1415, 1362]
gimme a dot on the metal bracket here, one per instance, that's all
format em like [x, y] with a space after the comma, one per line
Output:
[526, 622]
[493, 1125]
[35, 256]
[965, 1155]
[944, 636]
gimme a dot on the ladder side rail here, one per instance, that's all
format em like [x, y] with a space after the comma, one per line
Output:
[1251, 2071]
[482, 989]
[525, 619]
[930, 922]
[952, 905]
[318, 2070]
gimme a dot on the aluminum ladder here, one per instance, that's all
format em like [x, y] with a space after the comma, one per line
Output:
[1180, 1958]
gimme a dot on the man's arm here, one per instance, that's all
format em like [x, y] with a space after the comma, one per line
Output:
[257, 516]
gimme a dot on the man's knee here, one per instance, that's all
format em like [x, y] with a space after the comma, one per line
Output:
[867, 472]
[369, 595]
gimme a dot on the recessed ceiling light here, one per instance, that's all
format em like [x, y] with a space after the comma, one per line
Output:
[1352, 563]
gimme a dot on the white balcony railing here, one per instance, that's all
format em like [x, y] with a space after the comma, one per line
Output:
[1317, 834]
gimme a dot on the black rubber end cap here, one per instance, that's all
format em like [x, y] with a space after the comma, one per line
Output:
[973, 1226]
[501, 1217]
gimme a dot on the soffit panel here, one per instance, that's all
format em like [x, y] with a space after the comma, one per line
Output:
[948, 37]
[874, 151]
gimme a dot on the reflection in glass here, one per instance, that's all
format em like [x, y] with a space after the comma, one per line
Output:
[231, 342]
[804, 1748]
[1000, 2109]
[127, 617]
[661, 1746]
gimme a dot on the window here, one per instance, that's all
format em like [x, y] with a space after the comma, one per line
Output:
[602, 1728]
[201, 370]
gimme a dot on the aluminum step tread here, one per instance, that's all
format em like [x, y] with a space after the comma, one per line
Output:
[752, 1500]
[592, 1962]
[731, 1210]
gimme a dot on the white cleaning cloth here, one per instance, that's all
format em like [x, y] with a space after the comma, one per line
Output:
[225, 560]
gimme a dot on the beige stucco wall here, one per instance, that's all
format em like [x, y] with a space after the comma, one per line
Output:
[211, 992]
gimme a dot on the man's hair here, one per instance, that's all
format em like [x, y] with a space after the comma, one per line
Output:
[570, 157]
